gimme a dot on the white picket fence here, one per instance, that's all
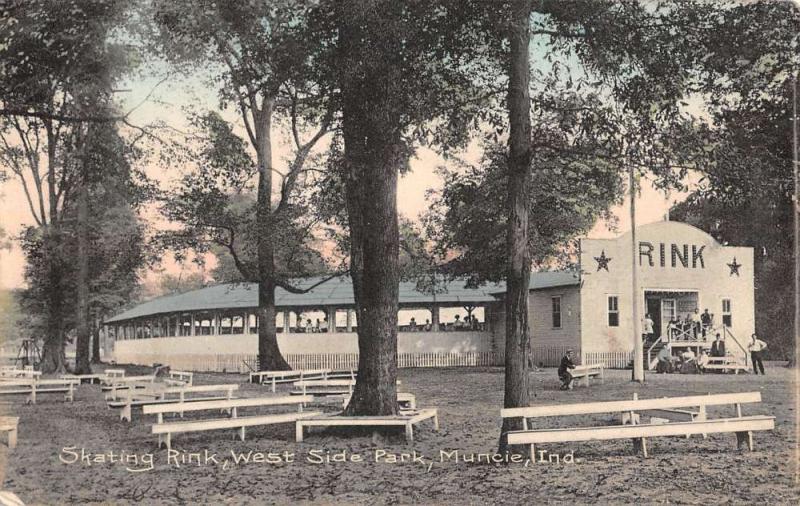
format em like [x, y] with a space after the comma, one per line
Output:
[550, 356]
[243, 363]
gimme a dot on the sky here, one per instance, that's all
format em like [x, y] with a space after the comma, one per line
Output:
[164, 96]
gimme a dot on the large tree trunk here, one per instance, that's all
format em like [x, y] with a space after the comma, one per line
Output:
[519, 181]
[82, 365]
[269, 354]
[373, 155]
[53, 359]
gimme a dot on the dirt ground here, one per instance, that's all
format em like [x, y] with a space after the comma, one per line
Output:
[678, 471]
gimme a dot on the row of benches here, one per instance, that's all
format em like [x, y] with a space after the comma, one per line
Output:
[631, 428]
[277, 377]
[34, 387]
[155, 400]
[160, 399]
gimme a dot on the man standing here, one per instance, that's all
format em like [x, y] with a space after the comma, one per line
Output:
[697, 324]
[647, 328]
[563, 371]
[756, 347]
[718, 347]
[707, 320]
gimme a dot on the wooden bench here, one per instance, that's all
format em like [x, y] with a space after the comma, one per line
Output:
[10, 499]
[80, 377]
[159, 393]
[34, 387]
[125, 382]
[9, 424]
[343, 374]
[406, 419]
[725, 364]
[180, 378]
[405, 401]
[587, 371]
[165, 430]
[21, 373]
[275, 377]
[324, 387]
[112, 374]
[743, 426]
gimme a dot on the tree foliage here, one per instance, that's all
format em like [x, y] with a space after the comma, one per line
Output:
[58, 68]
[745, 194]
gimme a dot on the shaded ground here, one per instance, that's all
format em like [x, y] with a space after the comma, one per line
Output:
[679, 470]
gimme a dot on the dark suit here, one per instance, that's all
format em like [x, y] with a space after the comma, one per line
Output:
[718, 349]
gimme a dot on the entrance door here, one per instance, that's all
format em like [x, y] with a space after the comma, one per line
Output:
[654, 310]
[668, 311]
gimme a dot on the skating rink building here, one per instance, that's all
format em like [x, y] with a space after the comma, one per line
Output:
[680, 269]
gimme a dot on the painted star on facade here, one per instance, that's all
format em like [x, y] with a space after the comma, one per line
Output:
[602, 261]
[734, 266]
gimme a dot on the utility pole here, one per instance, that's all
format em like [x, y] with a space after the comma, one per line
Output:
[796, 209]
[638, 351]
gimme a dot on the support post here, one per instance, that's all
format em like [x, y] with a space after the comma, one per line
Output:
[349, 322]
[331, 319]
[638, 351]
[286, 313]
[435, 318]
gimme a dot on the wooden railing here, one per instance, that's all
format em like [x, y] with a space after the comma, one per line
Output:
[729, 334]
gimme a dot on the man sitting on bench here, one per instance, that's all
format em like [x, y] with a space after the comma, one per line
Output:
[563, 371]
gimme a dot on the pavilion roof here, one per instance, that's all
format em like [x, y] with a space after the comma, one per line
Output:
[336, 292]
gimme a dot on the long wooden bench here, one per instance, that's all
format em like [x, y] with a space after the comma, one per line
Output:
[91, 378]
[20, 373]
[9, 424]
[406, 419]
[725, 364]
[8, 498]
[159, 393]
[588, 371]
[112, 374]
[276, 377]
[324, 387]
[180, 378]
[35, 387]
[405, 401]
[124, 383]
[165, 430]
[743, 426]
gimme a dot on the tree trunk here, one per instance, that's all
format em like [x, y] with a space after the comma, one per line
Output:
[82, 327]
[53, 359]
[519, 181]
[269, 354]
[373, 155]
[96, 341]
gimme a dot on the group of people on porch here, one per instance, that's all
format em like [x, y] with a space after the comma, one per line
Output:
[692, 328]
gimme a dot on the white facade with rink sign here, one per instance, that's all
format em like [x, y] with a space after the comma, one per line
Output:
[681, 269]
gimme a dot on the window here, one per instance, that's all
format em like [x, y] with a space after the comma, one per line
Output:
[203, 324]
[613, 311]
[237, 324]
[556, 301]
[726, 313]
[186, 324]
[225, 325]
